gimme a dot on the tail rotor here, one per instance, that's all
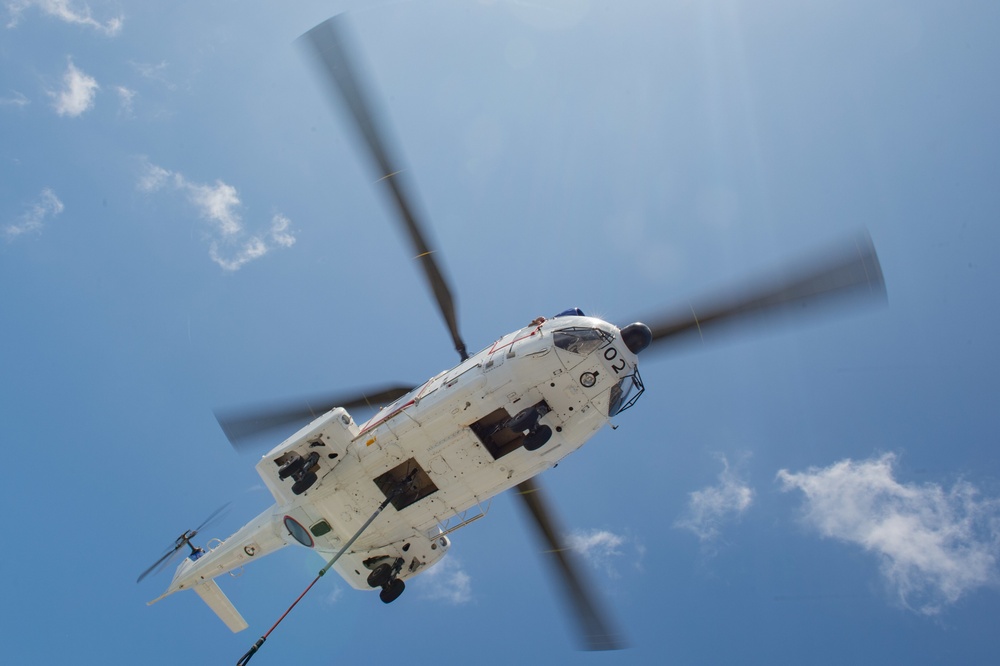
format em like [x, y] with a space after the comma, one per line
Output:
[184, 539]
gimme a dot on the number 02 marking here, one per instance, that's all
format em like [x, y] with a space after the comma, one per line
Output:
[611, 354]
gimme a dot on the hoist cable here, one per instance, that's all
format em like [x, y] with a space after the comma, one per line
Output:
[322, 572]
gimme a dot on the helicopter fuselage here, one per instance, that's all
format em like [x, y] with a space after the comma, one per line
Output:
[439, 453]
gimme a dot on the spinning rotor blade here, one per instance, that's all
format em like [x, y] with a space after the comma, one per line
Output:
[160, 563]
[849, 272]
[240, 424]
[596, 633]
[182, 541]
[329, 41]
[212, 517]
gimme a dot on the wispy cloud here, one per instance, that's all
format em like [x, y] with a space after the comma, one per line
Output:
[711, 507]
[77, 94]
[334, 595]
[14, 99]
[603, 549]
[934, 545]
[34, 218]
[64, 10]
[126, 97]
[447, 581]
[152, 177]
[230, 245]
[153, 72]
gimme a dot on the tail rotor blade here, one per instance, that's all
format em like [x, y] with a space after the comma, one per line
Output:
[212, 517]
[182, 541]
[160, 563]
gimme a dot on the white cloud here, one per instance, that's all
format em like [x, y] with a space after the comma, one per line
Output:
[447, 581]
[230, 246]
[233, 259]
[16, 99]
[153, 177]
[64, 10]
[33, 219]
[934, 545]
[603, 549]
[219, 205]
[709, 508]
[77, 94]
[279, 231]
[600, 548]
[334, 595]
[126, 97]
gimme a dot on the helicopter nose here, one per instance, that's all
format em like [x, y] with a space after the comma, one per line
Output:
[637, 337]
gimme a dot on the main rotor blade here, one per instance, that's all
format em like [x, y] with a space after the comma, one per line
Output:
[849, 272]
[596, 632]
[329, 41]
[243, 423]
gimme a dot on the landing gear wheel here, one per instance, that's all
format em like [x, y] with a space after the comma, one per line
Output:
[304, 484]
[391, 591]
[524, 420]
[537, 438]
[380, 576]
[291, 468]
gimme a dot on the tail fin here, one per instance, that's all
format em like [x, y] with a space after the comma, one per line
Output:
[212, 595]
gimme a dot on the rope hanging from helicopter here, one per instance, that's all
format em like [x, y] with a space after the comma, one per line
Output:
[322, 572]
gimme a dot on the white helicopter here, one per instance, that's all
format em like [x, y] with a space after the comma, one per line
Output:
[439, 451]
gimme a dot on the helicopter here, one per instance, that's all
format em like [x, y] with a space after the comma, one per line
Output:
[437, 452]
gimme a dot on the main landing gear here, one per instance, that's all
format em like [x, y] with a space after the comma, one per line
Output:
[527, 420]
[300, 469]
[391, 590]
[385, 570]
[384, 576]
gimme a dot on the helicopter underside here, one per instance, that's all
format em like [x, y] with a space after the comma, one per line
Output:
[497, 419]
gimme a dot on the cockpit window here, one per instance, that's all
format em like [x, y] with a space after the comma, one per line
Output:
[625, 393]
[581, 340]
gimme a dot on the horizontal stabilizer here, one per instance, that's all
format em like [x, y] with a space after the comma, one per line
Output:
[211, 594]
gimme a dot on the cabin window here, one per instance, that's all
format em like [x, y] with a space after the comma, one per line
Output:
[320, 528]
[580, 340]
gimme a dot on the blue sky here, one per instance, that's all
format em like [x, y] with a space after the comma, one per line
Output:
[185, 223]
